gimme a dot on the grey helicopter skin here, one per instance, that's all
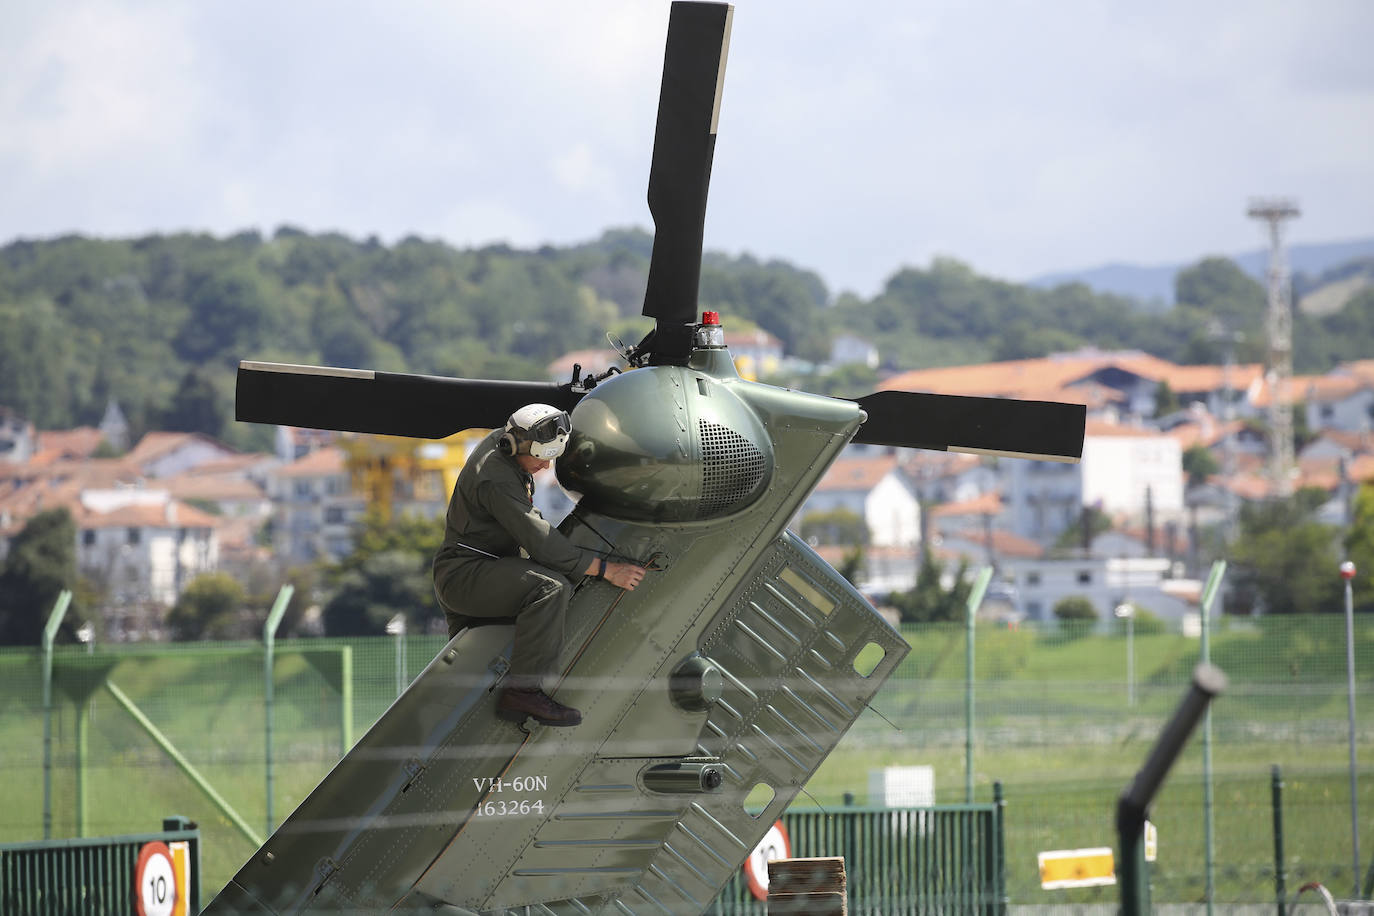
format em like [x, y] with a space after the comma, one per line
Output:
[731, 666]
[726, 677]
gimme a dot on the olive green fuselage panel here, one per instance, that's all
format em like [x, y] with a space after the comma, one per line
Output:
[731, 667]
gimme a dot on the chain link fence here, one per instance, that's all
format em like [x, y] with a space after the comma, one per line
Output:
[1059, 717]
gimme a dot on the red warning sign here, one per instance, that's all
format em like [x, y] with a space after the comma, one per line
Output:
[155, 883]
[774, 845]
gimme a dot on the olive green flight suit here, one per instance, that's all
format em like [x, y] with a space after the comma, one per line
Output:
[501, 558]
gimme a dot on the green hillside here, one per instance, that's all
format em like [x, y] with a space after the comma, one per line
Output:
[158, 323]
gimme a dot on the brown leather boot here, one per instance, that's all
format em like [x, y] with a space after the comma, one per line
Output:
[515, 704]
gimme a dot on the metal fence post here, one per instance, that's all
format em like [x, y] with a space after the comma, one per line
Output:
[1280, 874]
[345, 699]
[999, 844]
[83, 728]
[59, 609]
[1209, 594]
[1348, 573]
[269, 639]
[975, 598]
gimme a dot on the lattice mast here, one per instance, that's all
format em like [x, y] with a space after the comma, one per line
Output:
[1274, 211]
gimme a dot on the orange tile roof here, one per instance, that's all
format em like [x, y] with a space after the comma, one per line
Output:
[856, 473]
[923, 463]
[61, 483]
[989, 503]
[1360, 368]
[1327, 388]
[326, 460]
[1040, 379]
[1025, 377]
[1317, 388]
[1093, 395]
[1252, 485]
[1139, 533]
[237, 464]
[145, 516]
[1104, 430]
[1326, 472]
[154, 445]
[1349, 440]
[1191, 379]
[309, 438]
[212, 487]
[57, 444]
[239, 534]
[1206, 433]
[1004, 543]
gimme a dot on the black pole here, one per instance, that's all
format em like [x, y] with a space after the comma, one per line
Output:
[1133, 807]
[1280, 873]
[1000, 845]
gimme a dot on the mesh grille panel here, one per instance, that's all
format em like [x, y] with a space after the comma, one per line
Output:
[731, 467]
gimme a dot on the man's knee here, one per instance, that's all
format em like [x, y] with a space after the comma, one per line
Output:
[549, 588]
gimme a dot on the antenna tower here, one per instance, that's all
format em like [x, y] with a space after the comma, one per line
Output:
[1274, 211]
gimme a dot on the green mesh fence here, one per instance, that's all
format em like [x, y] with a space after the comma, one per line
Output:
[1053, 719]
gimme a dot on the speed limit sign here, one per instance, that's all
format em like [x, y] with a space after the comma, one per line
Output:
[774, 845]
[155, 883]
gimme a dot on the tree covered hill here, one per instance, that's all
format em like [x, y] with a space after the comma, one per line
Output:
[159, 323]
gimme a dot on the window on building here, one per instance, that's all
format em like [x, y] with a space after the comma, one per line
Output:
[134, 535]
[1085, 577]
[302, 489]
[88, 537]
[334, 515]
[1035, 609]
[1033, 577]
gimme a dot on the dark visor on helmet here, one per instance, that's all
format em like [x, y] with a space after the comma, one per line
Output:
[550, 428]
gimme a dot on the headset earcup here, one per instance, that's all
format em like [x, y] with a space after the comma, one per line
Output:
[507, 444]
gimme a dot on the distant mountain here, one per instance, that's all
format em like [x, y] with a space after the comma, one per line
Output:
[1154, 285]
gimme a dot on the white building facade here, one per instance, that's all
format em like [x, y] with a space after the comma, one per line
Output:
[143, 545]
[1125, 468]
[316, 510]
[1105, 581]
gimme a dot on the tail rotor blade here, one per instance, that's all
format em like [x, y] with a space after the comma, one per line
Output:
[1047, 430]
[680, 174]
[383, 403]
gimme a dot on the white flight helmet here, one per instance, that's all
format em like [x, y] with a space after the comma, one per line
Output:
[537, 430]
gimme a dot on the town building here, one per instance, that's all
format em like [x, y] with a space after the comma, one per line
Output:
[160, 454]
[875, 489]
[315, 508]
[142, 544]
[17, 438]
[1038, 584]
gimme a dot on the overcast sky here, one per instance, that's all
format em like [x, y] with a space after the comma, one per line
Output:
[1020, 137]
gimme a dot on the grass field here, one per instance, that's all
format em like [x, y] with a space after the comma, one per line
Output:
[1052, 724]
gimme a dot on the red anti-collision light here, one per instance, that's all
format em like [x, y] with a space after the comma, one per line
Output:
[710, 318]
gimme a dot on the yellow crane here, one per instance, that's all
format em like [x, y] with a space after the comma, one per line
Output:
[391, 470]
